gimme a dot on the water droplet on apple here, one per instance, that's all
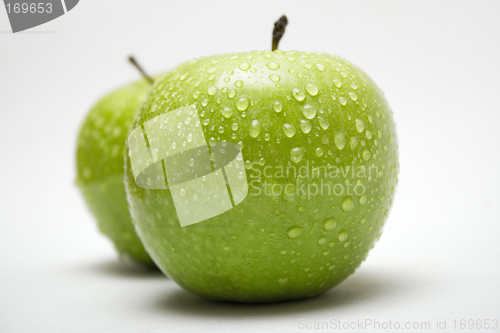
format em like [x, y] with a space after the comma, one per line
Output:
[297, 154]
[321, 240]
[274, 77]
[320, 67]
[347, 204]
[244, 66]
[277, 106]
[212, 91]
[329, 224]
[319, 152]
[254, 130]
[308, 111]
[242, 103]
[283, 280]
[353, 96]
[362, 199]
[342, 237]
[272, 65]
[305, 126]
[323, 123]
[298, 94]
[360, 125]
[339, 140]
[337, 83]
[353, 142]
[227, 112]
[231, 93]
[289, 130]
[366, 154]
[294, 232]
[238, 83]
[312, 89]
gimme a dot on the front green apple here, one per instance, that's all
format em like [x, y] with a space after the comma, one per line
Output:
[99, 160]
[297, 209]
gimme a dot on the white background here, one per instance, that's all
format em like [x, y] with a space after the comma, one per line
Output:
[438, 259]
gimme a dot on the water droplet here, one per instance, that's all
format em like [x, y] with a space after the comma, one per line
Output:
[234, 127]
[329, 224]
[353, 96]
[212, 70]
[363, 220]
[242, 103]
[368, 134]
[360, 125]
[297, 154]
[366, 154]
[274, 77]
[307, 66]
[337, 83]
[226, 248]
[244, 66]
[319, 152]
[254, 130]
[320, 67]
[273, 65]
[321, 240]
[309, 112]
[230, 72]
[289, 130]
[339, 140]
[305, 126]
[347, 204]
[353, 142]
[189, 137]
[294, 232]
[342, 237]
[301, 209]
[342, 100]
[298, 94]
[362, 199]
[323, 123]
[227, 112]
[283, 252]
[283, 280]
[312, 89]
[182, 191]
[277, 106]
[212, 91]
[196, 94]
[238, 83]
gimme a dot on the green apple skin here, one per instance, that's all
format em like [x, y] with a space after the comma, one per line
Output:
[273, 247]
[99, 160]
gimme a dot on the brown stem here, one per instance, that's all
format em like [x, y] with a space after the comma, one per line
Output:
[141, 70]
[278, 31]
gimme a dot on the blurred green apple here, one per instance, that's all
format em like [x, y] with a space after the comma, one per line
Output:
[297, 209]
[99, 160]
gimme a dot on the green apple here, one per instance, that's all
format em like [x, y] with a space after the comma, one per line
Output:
[319, 156]
[99, 160]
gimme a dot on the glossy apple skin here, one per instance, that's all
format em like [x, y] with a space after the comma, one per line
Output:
[273, 248]
[99, 161]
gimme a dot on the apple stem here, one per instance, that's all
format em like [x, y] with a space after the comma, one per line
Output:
[279, 31]
[141, 70]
